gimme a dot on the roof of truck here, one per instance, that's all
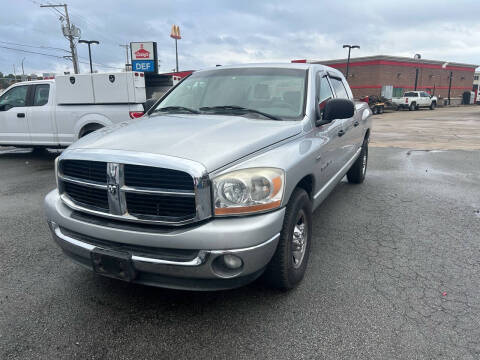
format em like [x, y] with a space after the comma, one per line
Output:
[303, 66]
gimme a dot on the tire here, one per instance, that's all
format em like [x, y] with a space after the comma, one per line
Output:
[380, 110]
[433, 105]
[356, 174]
[284, 272]
[412, 107]
[374, 110]
[397, 108]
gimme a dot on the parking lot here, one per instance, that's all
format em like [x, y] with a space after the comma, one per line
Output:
[394, 270]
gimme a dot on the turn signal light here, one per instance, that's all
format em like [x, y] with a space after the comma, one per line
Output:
[135, 114]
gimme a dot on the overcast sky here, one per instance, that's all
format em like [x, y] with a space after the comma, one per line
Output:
[227, 32]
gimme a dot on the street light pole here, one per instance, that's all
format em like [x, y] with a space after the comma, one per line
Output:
[416, 57]
[450, 86]
[89, 42]
[350, 47]
[23, 72]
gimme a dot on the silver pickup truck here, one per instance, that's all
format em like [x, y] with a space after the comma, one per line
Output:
[217, 184]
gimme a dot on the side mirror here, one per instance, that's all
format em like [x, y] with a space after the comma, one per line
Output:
[149, 103]
[5, 107]
[336, 109]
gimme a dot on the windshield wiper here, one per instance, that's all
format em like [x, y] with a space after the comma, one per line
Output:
[177, 108]
[235, 108]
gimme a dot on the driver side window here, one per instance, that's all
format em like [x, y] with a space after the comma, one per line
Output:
[324, 92]
[15, 97]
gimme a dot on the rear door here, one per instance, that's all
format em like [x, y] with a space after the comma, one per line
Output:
[13, 116]
[40, 116]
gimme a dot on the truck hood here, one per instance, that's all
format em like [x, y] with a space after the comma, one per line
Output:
[212, 140]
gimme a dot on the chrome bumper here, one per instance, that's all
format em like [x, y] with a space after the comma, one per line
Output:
[201, 271]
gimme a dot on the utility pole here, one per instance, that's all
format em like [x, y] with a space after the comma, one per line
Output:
[127, 47]
[70, 32]
[14, 72]
[350, 47]
[23, 71]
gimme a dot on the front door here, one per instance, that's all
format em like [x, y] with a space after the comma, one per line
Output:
[325, 139]
[13, 116]
[350, 130]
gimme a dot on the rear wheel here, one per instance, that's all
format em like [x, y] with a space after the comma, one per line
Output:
[356, 174]
[380, 109]
[374, 110]
[412, 106]
[288, 264]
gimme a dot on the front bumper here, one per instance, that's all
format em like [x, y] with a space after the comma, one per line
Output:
[181, 258]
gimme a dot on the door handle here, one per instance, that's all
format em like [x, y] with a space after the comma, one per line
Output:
[356, 123]
[21, 115]
[341, 133]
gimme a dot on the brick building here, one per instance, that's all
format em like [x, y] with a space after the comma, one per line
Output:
[392, 75]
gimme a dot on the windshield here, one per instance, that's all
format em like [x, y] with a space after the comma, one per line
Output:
[262, 93]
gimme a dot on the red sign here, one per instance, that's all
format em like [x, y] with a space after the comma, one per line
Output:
[142, 53]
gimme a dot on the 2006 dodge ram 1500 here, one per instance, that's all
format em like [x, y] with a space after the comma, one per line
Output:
[217, 184]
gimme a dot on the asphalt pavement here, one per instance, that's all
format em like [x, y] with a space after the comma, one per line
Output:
[394, 273]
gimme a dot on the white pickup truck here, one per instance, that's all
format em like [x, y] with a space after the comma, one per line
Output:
[413, 100]
[55, 113]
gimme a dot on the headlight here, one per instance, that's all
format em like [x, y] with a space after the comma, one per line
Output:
[248, 191]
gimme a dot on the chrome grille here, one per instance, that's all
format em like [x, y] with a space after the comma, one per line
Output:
[88, 170]
[150, 177]
[134, 192]
[89, 196]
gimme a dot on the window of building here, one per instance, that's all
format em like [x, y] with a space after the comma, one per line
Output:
[475, 77]
[397, 92]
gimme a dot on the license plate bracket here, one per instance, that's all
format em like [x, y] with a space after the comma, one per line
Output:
[112, 263]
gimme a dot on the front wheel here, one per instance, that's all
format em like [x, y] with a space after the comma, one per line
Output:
[356, 174]
[288, 264]
[433, 105]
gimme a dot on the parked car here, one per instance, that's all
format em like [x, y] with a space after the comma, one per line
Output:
[217, 184]
[35, 114]
[413, 100]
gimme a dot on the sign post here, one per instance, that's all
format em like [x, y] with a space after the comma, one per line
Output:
[144, 56]
[175, 34]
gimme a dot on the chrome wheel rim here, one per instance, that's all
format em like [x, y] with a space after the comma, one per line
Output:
[299, 240]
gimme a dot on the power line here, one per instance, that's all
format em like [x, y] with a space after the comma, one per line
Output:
[58, 57]
[34, 46]
[31, 52]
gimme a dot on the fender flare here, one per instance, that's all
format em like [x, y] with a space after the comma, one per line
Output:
[90, 119]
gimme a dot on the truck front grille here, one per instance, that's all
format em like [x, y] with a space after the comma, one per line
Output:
[88, 170]
[129, 192]
[150, 177]
[87, 196]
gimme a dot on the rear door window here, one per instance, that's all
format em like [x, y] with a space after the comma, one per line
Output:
[410, 94]
[40, 96]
